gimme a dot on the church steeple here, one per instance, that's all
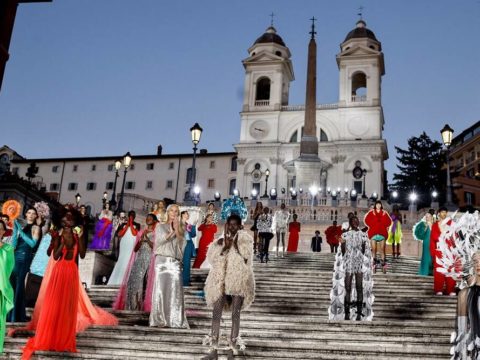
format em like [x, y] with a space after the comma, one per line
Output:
[309, 142]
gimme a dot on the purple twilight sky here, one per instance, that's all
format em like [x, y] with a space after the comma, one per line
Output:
[91, 77]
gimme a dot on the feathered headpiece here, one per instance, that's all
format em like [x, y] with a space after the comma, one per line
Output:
[12, 208]
[42, 209]
[457, 261]
[234, 205]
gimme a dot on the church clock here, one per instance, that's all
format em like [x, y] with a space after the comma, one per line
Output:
[259, 129]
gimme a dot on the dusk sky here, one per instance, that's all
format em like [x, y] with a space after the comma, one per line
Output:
[95, 78]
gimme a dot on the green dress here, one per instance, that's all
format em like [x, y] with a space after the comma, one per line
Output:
[421, 232]
[7, 261]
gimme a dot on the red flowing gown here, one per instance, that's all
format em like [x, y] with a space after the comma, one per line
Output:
[293, 236]
[56, 328]
[208, 233]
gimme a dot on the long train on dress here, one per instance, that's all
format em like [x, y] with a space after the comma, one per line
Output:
[127, 243]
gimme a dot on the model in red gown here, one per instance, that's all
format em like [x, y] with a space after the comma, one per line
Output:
[56, 328]
[208, 229]
[441, 284]
[293, 234]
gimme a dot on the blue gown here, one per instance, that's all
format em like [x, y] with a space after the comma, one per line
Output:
[421, 231]
[40, 260]
[188, 254]
[23, 243]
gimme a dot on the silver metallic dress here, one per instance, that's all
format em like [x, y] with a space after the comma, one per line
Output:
[168, 305]
[137, 281]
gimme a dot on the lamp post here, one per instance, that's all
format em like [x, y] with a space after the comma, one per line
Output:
[113, 201]
[196, 193]
[265, 194]
[364, 173]
[127, 159]
[394, 196]
[104, 197]
[447, 135]
[78, 197]
[412, 197]
[196, 132]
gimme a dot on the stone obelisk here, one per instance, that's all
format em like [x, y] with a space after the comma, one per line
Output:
[308, 165]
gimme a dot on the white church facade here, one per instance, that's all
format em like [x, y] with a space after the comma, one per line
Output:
[351, 147]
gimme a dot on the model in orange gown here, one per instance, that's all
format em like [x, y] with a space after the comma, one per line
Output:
[87, 313]
[56, 328]
[294, 234]
[63, 307]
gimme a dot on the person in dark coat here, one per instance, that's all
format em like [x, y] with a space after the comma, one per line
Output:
[316, 245]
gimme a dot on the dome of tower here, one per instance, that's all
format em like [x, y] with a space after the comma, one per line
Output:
[361, 31]
[270, 36]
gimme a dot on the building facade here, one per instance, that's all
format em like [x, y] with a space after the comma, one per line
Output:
[465, 167]
[150, 176]
[351, 146]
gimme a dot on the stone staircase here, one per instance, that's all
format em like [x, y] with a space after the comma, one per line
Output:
[287, 321]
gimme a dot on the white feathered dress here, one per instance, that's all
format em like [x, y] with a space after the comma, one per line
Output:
[351, 262]
[232, 272]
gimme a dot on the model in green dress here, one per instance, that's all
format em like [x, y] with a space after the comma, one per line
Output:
[7, 262]
[421, 232]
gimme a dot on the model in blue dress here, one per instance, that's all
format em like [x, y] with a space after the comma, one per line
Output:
[190, 233]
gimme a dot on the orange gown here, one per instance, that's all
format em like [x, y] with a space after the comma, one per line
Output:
[86, 313]
[56, 328]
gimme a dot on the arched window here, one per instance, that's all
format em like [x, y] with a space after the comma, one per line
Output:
[323, 136]
[233, 164]
[359, 87]
[294, 137]
[231, 186]
[263, 89]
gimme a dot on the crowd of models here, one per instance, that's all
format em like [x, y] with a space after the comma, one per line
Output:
[154, 261]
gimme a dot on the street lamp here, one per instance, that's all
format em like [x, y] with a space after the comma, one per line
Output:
[104, 198]
[374, 196]
[434, 195]
[265, 194]
[78, 197]
[353, 195]
[235, 192]
[196, 192]
[217, 196]
[196, 132]
[113, 201]
[127, 159]
[273, 194]
[364, 173]
[254, 194]
[447, 136]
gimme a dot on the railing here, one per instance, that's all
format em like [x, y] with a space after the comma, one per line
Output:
[302, 107]
[359, 98]
[262, 103]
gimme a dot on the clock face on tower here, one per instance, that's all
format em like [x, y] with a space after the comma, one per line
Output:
[259, 129]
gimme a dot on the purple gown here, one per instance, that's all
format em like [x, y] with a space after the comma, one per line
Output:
[103, 233]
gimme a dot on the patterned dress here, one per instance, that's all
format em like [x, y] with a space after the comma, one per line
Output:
[137, 281]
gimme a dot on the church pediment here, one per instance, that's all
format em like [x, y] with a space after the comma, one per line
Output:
[263, 56]
[359, 50]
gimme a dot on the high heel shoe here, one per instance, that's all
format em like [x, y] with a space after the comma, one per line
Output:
[212, 355]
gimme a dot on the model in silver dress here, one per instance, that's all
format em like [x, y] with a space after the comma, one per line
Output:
[168, 305]
[352, 278]
[137, 279]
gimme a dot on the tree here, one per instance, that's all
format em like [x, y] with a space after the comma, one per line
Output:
[420, 170]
